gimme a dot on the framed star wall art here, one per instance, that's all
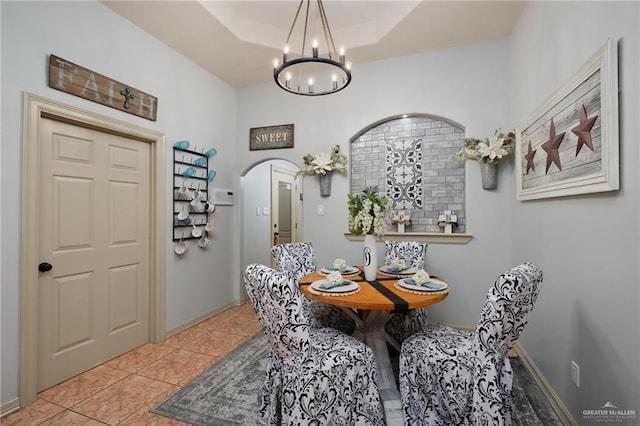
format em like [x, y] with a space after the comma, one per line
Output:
[569, 145]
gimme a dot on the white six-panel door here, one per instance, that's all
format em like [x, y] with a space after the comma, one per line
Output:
[93, 218]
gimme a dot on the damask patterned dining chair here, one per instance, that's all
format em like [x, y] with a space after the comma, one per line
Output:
[450, 376]
[315, 375]
[401, 326]
[298, 259]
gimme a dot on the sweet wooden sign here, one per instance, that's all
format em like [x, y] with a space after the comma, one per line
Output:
[79, 81]
[271, 137]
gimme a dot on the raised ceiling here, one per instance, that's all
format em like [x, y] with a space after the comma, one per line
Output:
[236, 40]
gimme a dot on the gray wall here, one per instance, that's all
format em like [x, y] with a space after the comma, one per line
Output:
[441, 83]
[588, 246]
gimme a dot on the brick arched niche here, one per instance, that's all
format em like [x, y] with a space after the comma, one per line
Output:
[412, 161]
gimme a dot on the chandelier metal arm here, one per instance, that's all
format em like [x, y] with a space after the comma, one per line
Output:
[293, 24]
[326, 30]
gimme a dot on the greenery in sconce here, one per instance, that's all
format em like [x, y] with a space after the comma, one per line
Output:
[322, 163]
[490, 150]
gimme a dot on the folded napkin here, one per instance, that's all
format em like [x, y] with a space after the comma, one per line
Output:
[429, 284]
[392, 269]
[341, 270]
[326, 285]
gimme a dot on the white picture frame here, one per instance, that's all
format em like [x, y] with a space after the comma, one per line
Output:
[584, 161]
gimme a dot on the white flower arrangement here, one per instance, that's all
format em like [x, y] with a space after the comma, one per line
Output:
[491, 150]
[398, 264]
[367, 212]
[340, 264]
[421, 277]
[322, 163]
[335, 278]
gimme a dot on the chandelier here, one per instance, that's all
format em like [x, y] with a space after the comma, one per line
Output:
[312, 75]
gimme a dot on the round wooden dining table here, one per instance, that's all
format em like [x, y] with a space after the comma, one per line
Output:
[371, 305]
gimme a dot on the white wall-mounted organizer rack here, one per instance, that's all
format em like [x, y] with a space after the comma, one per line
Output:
[193, 205]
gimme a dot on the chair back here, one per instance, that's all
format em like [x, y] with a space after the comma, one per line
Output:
[412, 252]
[295, 259]
[280, 308]
[506, 310]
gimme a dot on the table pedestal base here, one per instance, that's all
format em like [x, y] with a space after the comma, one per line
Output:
[370, 329]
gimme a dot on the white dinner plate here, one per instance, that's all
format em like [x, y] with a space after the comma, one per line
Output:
[434, 285]
[349, 270]
[387, 270]
[339, 289]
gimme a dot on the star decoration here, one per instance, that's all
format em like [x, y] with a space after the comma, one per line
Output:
[529, 157]
[551, 147]
[583, 130]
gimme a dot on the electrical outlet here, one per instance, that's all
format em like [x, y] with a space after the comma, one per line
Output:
[320, 209]
[575, 374]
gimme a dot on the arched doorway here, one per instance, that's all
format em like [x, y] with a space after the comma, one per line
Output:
[257, 211]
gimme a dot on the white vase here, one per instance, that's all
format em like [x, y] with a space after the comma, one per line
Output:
[370, 257]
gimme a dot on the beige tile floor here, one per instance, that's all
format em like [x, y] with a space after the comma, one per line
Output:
[123, 390]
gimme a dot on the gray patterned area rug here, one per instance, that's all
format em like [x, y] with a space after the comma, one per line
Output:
[228, 392]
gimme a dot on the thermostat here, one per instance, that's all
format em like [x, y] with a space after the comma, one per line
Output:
[223, 197]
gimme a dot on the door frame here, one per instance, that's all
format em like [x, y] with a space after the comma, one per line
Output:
[295, 200]
[34, 108]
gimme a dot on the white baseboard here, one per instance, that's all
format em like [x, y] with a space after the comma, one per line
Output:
[9, 407]
[198, 320]
[561, 411]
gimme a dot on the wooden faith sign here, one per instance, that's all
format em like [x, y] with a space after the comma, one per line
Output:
[271, 137]
[79, 81]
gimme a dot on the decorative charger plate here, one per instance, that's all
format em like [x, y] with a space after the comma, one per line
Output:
[388, 270]
[431, 285]
[344, 288]
[349, 270]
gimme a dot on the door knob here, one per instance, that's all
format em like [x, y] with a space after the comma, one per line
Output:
[45, 267]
